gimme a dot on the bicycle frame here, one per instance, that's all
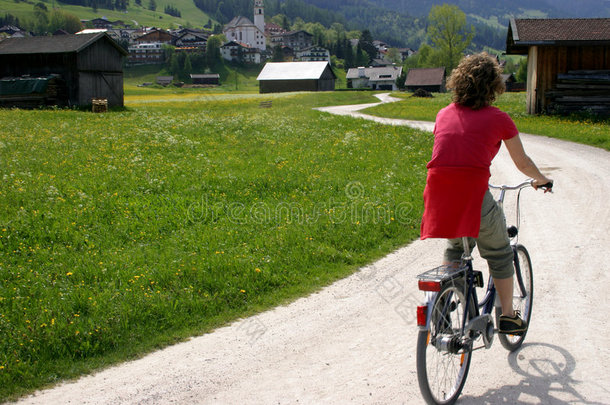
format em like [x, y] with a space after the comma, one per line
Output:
[482, 310]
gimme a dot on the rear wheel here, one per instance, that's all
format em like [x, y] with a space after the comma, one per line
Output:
[522, 297]
[442, 366]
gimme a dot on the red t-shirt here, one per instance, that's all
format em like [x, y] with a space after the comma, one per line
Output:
[464, 137]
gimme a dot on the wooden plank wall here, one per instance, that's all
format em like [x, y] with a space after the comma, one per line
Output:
[550, 61]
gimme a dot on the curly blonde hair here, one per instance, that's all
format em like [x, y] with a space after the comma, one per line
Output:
[477, 81]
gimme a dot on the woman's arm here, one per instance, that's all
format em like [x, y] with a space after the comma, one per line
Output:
[524, 163]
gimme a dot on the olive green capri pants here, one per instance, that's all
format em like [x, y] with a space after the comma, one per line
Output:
[493, 242]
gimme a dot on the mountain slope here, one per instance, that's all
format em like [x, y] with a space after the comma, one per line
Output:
[141, 14]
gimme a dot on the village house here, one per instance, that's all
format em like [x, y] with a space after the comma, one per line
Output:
[568, 63]
[235, 51]
[313, 54]
[65, 70]
[155, 36]
[296, 76]
[146, 54]
[191, 39]
[374, 78]
[428, 79]
[297, 40]
[275, 33]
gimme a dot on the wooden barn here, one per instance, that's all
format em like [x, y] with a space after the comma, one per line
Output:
[83, 67]
[279, 77]
[568, 65]
[209, 79]
[429, 79]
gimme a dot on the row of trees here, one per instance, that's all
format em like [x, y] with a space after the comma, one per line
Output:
[181, 64]
[45, 21]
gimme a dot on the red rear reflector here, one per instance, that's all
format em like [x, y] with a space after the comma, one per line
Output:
[422, 312]
[429, 285]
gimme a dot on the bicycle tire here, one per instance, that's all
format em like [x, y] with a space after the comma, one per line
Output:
[442, 363]
[524, 305]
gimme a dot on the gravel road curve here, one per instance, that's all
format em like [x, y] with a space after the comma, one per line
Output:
[354, 341]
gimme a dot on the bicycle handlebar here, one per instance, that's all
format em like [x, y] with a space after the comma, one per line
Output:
[546, 187]
[525, 184]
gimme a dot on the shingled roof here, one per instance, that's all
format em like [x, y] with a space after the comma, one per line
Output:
[55, 44]
[523, 33]
[425, 77]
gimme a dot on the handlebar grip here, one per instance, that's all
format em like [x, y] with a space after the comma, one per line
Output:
[548, 187]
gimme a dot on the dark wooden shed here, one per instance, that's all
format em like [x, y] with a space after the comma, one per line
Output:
[568, 65]
[211, 78]
[89, 65]
[279, 77]
[429, 79]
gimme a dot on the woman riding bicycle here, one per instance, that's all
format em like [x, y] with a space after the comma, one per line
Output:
[467, 136]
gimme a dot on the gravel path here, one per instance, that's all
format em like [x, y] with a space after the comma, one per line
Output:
[354, 341]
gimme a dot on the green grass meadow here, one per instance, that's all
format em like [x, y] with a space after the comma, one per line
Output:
[594, 131]
[125, 231]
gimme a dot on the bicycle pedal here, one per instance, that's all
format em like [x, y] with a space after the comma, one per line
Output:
[478, 279]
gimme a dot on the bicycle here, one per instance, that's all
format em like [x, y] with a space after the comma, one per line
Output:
[452, 319]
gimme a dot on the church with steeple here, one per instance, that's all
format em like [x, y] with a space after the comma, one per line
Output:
[241, 29]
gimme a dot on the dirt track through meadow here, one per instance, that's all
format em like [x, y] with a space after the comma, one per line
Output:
[354, 341]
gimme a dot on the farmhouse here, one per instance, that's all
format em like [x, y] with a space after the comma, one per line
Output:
[568, 63]
[429, 79]
[296, 76]
[375, 78]
[85, 66]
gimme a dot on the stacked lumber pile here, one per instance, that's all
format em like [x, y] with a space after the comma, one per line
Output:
[581, 90]
[33, 92]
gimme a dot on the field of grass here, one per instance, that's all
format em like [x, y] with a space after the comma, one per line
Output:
[587, 130]
[24, 10]
[126, 231]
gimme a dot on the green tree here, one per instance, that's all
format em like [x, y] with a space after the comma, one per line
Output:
[521, 75]
[212, 50]
[174, 65]
[152, 5]
[278, 54]
[449, 33]
[394, 55]
[59, 19]
[188, 67]
[366, 43]
[349, 54]
[362, 58]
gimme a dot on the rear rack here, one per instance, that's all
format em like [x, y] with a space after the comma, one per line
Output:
[443, 274]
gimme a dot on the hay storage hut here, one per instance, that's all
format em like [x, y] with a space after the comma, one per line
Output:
[279, 77]
[568, 63]
[428, 79]
[90, 65]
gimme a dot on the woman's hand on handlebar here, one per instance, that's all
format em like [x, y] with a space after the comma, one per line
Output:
[545, 183]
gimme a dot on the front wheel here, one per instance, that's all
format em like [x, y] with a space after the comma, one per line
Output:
[523, 295]
[442, 365]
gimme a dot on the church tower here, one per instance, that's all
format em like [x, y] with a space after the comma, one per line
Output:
[259, 15]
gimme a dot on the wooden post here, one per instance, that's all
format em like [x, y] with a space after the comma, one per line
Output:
[532, 79]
